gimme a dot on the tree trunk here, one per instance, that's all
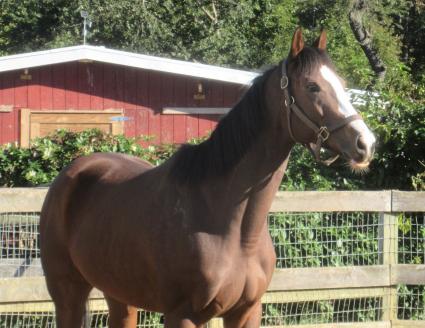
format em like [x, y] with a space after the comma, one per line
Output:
[356, 12]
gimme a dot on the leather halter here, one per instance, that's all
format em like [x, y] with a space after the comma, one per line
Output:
[322, 132]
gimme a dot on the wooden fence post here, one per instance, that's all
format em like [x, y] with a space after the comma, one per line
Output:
[388, 253]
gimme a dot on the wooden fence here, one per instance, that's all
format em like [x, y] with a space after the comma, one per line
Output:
[288, 285]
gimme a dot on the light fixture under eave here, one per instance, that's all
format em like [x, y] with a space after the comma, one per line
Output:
[26, 76]
[200, 94]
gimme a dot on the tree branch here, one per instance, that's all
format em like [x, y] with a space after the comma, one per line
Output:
[356, 12]
[213, 16]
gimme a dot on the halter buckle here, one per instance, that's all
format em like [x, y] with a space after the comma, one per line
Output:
[323, 133]
[284, 81]
[292, 101]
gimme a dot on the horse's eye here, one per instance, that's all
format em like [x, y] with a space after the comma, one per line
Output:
[313, 87]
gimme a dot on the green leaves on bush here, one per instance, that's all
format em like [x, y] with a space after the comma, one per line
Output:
[324, 239]
[43, 160]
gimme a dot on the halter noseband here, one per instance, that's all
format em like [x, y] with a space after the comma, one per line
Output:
[322, 132]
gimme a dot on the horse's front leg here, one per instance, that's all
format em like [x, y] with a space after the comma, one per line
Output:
[182, 317]
[247, 318]
[178, 322]
[121, 315]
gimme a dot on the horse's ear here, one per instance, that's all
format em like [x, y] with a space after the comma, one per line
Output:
[321, 41]
[297, 43]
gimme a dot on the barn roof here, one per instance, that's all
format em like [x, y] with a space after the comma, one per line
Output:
[111, 56]
[118, 57]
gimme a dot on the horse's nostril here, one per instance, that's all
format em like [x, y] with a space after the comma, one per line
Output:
[365, 147]
[361, 145]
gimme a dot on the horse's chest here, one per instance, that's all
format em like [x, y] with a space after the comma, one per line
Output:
[243, 287]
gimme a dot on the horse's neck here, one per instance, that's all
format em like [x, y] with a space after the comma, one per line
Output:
[262, 169]
[241, 199]
[256, 182]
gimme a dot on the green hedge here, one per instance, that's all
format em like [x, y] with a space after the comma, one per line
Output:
[43, 160]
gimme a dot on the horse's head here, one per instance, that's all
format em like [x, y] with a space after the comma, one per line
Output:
[319, 112]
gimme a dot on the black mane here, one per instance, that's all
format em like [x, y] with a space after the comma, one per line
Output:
[228, 143]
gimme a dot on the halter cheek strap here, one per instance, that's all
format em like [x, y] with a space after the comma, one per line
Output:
[322, 132]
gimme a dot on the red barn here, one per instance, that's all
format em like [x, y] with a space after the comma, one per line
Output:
[116, 91]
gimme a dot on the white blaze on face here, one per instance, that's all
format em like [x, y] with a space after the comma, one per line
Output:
[344, 104]
[346, 108]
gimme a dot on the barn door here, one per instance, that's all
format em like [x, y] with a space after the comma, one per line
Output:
[36, 123]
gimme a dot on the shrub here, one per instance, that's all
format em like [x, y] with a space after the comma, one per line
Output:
[43, 160]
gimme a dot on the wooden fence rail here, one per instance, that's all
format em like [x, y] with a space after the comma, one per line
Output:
[31, 199]
[294, 284]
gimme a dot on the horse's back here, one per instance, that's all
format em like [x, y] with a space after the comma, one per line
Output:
[75, 183]
[76, 188]
[113, 166]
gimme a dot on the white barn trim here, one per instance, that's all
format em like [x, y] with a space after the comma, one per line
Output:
[118, 57]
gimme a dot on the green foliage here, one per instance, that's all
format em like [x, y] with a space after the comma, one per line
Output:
[411, 232]
[224, 32]
[42, 161]
[418, 180]
[28, 25]
[324, 239]
[411, 302]
[398, 122]
[304, 173]
[30, 319]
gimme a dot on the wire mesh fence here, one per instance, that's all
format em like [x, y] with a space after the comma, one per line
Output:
[322, 311]
[27, 319]
[300, 239]
[274, 314]
[411, 238]
[325, 239]
[19, 245]
[319, 239]
[100, 319]
[42, 315]
[411, 302]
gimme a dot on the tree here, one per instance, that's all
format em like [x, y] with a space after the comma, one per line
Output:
[30, 25]
[357, 11]
[240, 33]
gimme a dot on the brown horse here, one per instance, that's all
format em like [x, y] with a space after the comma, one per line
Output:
[189, 238]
